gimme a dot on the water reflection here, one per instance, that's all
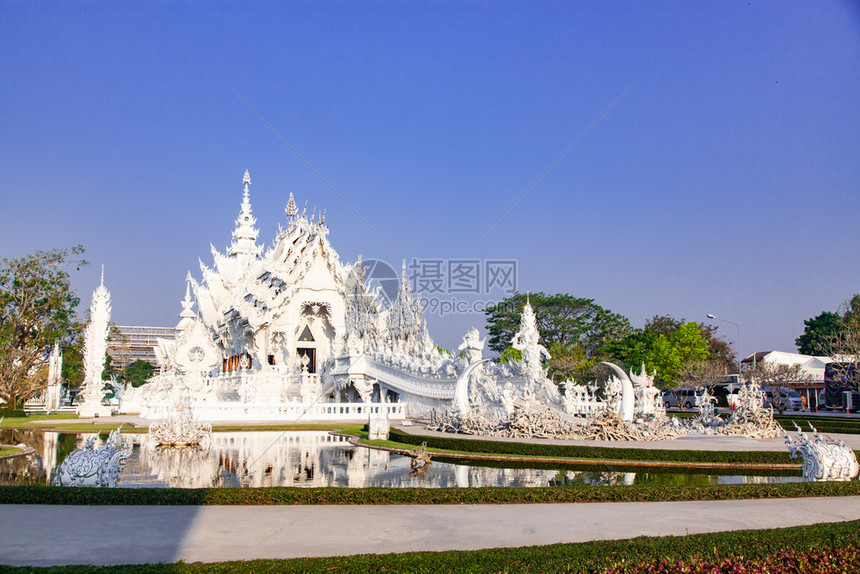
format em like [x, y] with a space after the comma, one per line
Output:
[314, 459]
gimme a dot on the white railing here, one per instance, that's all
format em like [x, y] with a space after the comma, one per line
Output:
[280, 412]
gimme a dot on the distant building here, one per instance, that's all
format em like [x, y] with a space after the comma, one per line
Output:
[810, 365]
[137, 343]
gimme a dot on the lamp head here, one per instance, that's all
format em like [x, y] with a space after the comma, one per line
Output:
[711, 316]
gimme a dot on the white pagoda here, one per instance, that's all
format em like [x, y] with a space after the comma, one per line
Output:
[290, 332]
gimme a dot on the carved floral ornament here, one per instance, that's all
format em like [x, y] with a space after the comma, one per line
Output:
[195, 351]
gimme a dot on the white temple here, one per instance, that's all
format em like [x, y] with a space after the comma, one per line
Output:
[290, 332]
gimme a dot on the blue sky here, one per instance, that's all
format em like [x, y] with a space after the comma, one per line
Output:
[726, 181]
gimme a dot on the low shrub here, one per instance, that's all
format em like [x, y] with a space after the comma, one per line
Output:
[12, 413]
[785, 561]
[483, 495]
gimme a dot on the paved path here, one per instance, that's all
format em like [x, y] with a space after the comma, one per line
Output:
[54, 535]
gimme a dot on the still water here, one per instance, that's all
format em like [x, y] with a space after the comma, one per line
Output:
[316, 458]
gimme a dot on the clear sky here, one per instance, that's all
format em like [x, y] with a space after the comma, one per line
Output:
[725, 181]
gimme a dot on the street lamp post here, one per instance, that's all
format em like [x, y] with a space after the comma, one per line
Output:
[740, 357]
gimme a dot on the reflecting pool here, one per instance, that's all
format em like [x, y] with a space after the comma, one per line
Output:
[315, 459]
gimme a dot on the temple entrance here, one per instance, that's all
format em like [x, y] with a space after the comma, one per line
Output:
[311, 354]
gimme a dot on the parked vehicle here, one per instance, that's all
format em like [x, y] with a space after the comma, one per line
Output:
[838, 377]
[688, 398]
[791, 400]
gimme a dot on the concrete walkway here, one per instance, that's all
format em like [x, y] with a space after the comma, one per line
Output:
[101, 535]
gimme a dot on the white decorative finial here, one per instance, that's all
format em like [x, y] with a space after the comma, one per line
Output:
[322, 218]
[247, 181]
[103, 276]
[291, 207]
[187, 303]
[245, 236]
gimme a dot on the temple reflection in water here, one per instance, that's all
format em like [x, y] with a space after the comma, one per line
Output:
[311, 459]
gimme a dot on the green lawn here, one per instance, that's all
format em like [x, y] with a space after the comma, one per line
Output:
[4, 450]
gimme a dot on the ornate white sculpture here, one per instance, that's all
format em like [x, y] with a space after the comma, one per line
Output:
[626, 402]
[527, 342]
[180, 428]
[378, 426]
[53, 392]
[825, 459]
[95, 351]
[751, 418]
[94, 467]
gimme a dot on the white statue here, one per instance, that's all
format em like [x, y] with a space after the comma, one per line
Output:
[473, 345]
[379, 426]
[54, 391]
[95, 351]
[825, 459]
[527, 342]
[94, 467]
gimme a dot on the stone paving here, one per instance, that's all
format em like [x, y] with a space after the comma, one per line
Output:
[149, 534]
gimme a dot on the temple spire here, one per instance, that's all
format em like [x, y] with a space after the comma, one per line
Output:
[187, 316]
[291, 207]
[245, 235]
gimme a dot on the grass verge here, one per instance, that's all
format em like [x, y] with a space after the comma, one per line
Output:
[582, 557]
[5, 450]
[382, 496]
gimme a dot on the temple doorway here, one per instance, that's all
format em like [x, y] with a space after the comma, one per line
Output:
[311, 354]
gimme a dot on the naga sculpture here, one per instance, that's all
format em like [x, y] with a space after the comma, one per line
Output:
[825, 459]
[94, 467]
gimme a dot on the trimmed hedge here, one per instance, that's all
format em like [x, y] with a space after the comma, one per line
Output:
[592, 452]
[827, 425]
[582, 557]
[616, 466]
[484, 495]
[12, 413]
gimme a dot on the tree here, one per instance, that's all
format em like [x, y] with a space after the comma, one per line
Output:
[137, 373]
[73, 366]
[37, 308]
[665, 345]
[577, 329]
[633, 350]
[837, 336]
[819, 333]
[776, 379]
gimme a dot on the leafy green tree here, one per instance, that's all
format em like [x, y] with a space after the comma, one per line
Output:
[633, 350]
[73, 366]
[560, 318]
[574, 330]
[825, 334]
[137, 372]
[667, 351]
[510, 354]
[819, 333]
[37, 308]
